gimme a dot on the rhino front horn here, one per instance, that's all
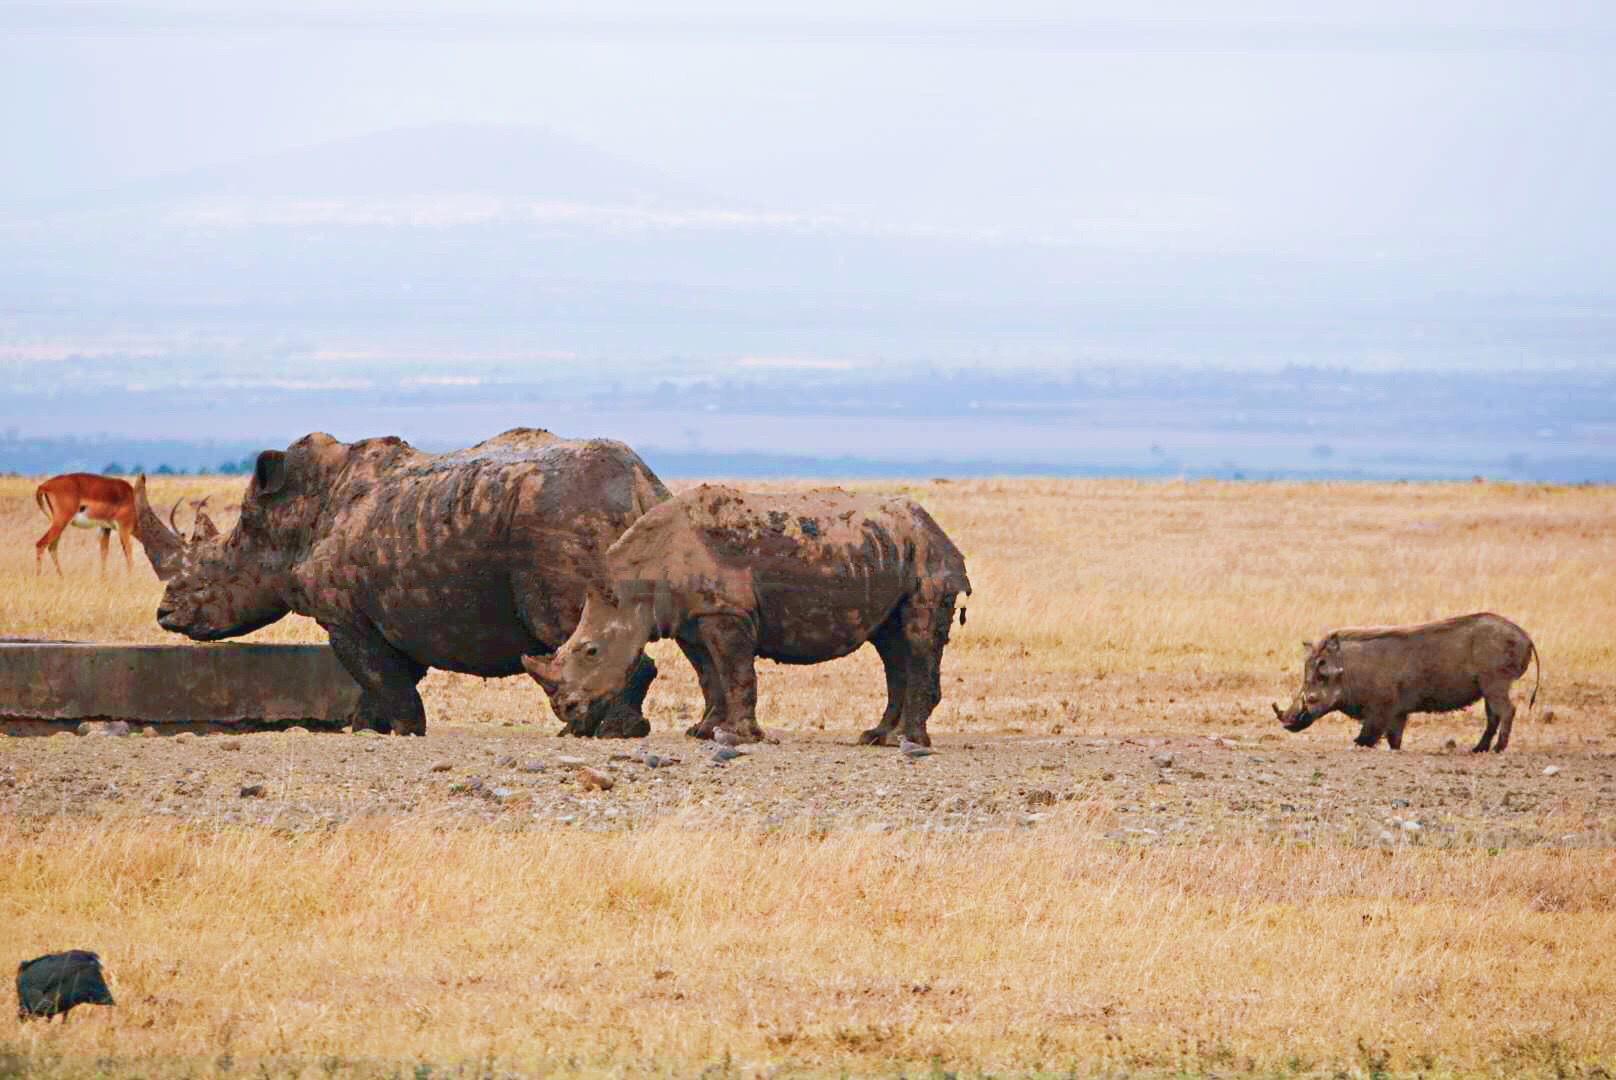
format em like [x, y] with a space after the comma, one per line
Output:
[163, 546]
[539, 669]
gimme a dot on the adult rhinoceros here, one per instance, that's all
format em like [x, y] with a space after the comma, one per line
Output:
[464, 561]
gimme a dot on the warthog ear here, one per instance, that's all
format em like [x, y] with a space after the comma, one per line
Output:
[269, 472]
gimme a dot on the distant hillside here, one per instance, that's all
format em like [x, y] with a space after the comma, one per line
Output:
[516, 163]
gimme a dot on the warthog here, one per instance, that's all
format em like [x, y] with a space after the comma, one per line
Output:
[798, 579]
[1379, 675]
[465, 561]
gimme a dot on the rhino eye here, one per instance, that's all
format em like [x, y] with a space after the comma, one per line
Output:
[591, 650]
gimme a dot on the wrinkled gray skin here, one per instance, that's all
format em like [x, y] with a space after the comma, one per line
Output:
[463, 561]
[1379, 676]
[796, 578]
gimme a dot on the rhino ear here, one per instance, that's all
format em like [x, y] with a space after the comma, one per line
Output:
[1332, 646]
[269, 473]
[600, 594]
[1307, 648]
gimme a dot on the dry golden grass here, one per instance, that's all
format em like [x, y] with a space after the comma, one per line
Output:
[671, 952]
[1099, 606]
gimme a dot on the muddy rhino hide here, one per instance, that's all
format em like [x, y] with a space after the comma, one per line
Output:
[619, 717]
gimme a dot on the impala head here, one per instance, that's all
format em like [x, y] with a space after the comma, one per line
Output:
[597, 661]
[1322, 689]
[226, 586]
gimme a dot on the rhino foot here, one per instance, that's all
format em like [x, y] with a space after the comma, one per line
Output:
[879, 737]
[619, 717]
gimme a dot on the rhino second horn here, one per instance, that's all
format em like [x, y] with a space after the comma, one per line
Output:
[203, 529]
[1277, 711]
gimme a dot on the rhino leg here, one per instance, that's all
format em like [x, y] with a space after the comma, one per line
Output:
[1394, 733]
[387, 697]
[1500, 718]
[623, 717]
[712, 695]
[732, 644]
[925, 629]
[889, 641]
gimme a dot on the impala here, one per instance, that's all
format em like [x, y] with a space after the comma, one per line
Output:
[85, 501]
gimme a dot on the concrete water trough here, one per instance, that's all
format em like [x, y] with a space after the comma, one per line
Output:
[48, 686]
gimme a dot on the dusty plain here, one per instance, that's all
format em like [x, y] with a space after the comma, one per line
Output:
[1116, 862]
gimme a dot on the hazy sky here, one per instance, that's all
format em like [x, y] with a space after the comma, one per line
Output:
[1359, 129]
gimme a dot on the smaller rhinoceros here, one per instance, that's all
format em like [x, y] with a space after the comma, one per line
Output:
[1381, 674]
[796, 578]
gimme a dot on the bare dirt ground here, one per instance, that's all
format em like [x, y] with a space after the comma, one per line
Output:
[1138, 790]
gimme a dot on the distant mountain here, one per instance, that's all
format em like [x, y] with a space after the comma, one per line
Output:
[502, 162]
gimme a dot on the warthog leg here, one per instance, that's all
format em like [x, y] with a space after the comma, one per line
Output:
[388, 700]
[1500, 717]
[1370, 729]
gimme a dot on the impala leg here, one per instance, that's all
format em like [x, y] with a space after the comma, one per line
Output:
[128, 560]
[52, 537]
[105, 540]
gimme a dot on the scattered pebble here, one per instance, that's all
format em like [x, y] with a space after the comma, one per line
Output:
[1164, 761]
[725, 753]
[150, 732]
[104, 727]
[297, 729]
[229, 744]
[251, 791]
[1551, 770]
[441, 766]
[185, 736]
[533, 765]
[505, 761]
[594, 780]
[1412, 826]
[571, 762]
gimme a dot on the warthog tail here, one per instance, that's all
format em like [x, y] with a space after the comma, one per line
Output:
[1538, 663]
